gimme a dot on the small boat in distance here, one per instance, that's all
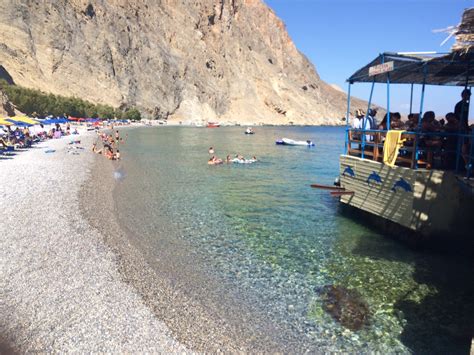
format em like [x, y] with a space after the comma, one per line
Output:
[288, 141]
[213, 125]
[249, 130]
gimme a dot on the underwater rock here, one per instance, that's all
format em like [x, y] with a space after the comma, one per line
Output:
[346, 306]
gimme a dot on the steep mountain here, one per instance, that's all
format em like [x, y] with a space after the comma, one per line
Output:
[186, 60]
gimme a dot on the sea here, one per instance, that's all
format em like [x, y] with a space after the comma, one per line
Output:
[281, 250]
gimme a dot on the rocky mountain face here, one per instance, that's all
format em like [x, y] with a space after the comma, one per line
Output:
[186, 60]
[6, 107]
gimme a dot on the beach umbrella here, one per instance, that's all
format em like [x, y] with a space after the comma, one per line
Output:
[19, 123]
[4, 122]
[24, 119]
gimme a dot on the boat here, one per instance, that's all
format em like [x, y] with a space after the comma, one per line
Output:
[213, 125]
[249, 131]
[288, 141]
[394, 180]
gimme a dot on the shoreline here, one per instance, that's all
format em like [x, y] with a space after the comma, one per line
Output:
[61, 287]
[195, 318]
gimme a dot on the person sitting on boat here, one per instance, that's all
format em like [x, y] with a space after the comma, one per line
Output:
[211, 150]
[412, 123]
[429, 123]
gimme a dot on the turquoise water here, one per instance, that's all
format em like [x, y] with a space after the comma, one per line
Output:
[262, 229]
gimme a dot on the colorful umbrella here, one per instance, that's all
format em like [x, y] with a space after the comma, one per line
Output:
[19, 123]
[24, 119]
[4, 122]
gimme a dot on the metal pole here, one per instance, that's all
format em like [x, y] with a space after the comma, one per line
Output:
[417, 134]
[365, 117]
[388, 102]
[347, 116]
[471, 151]
[411, 98]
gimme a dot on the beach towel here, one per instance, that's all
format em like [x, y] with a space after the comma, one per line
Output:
[393, 142]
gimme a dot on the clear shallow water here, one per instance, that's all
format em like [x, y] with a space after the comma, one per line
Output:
[263, 230]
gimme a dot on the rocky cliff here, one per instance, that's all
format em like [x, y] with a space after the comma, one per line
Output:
[187, 60]
[6, 107]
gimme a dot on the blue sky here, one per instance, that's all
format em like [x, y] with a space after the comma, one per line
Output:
[340, 36]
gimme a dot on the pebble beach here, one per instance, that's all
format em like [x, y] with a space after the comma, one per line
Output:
[61, 290]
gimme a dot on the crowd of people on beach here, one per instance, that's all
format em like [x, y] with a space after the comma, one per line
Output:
[14, 137]
[238, 158]
[441, 134]
[110, 144]
[25, 137]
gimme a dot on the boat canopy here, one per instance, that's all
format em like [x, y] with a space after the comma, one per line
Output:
[454, 69]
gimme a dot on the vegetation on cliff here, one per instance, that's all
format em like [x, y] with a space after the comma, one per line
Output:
[37, 103]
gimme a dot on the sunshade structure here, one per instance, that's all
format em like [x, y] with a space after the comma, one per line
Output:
[455, 69]
[465, 32]
[4, 122]
[19, 123]
[54, 120]
[24, 120]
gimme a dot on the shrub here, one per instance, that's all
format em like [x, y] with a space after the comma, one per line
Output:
[36, 102]
[132, 114]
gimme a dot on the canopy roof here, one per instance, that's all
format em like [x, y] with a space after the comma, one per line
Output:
[465, 32]
[456, 69]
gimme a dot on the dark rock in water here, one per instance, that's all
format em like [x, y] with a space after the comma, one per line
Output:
[346, 306]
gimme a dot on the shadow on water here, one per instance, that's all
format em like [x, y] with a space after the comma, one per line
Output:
[437, 311]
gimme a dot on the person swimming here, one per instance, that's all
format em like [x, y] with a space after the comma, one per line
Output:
[211, 150]
[214, 161]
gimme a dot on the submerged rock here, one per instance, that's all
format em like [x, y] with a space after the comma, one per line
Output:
[346, 306]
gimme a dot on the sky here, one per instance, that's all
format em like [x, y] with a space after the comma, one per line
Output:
[341, 36]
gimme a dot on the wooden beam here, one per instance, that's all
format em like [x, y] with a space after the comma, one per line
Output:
[327, 187]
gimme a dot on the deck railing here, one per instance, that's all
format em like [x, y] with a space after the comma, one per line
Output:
[430, 150]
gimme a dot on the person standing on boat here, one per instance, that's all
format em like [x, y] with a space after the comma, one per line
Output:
[368, 123]
[357, 119]
[371, 124]
[461, 110]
